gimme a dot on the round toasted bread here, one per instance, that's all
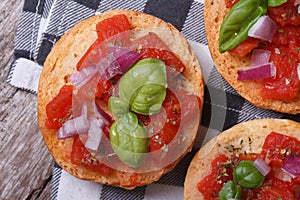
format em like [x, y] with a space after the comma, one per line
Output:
[228, 65]
[61, 62]
[253, 133]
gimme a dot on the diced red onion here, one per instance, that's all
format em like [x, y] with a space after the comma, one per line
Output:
[296, 2]
[256, 73]
[73, 127]
[125, 57]
[80, 78]
[298, 70]
[108, 67]
[260, 57]
[292, 166]
[94, 134]
[298, 9]
[263, 29]
[117, 62]
[102, 114]
[261, 166]
[281, 175]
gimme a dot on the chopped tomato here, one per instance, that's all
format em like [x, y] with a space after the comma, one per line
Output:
[285, 14]
[105, 29]
[245, 47]
[92, 56]
[112, 26]
[168, 57]
[58, 110]
[211, 184]
[274, 188]
[151, 40]
[82, 157]
[230, 3]
[105, 90]
[277, 148]
[151, 46]
[285, 54]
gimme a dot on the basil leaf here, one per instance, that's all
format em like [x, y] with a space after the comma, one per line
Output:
[117, 106]
[238, 21]
[274, 3]
[230, 191]
[247, 175]
[144, 85]
[129, 140]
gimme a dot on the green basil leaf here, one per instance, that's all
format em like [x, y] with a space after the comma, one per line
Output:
[144, 85]
[238, 21]
[117, 106]
[129, 140]
[148, 99]
[230, 191]
[247, 175]
[274, 3]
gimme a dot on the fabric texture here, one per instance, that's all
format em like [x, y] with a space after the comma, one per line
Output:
[43, 22]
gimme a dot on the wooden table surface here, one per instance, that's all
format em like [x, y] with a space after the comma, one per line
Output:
[25, 163]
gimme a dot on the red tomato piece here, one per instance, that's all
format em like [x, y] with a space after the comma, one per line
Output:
[285, 14]
[92, 56]
[151, 46]
[58, 110]
[230, 3]
[105, 29]
[274, 188]
[168, 57]
[211, 185]
[245, 47]
[285, 54]
[105, 90]
[151, 40]
[277, 148]
[112, 26]
[82, 157]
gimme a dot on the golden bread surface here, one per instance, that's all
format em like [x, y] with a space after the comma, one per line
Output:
[62, 61]
[256, 130]
[228, 65]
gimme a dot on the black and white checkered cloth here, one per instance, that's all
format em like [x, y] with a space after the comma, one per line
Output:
[43, 22]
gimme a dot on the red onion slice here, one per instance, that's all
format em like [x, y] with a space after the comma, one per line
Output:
[73, 127]
[292, 166]
[296, 2]
[94, 134]
[108, 67]
[256, 73]
[80, 78]
[101, 114]
[259, 57]
[125, 57]
[117, 62]
[263, 29]
[261, 166]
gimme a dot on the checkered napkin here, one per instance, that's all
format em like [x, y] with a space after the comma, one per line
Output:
[43, 22]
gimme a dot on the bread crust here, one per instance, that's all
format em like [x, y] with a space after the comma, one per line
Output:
[228, 65]
[61, 62]
[257, 130]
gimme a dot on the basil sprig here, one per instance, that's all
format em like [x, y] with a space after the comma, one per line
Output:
[238, 21]
[245, 175]
[230, 191]
[129, 140]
